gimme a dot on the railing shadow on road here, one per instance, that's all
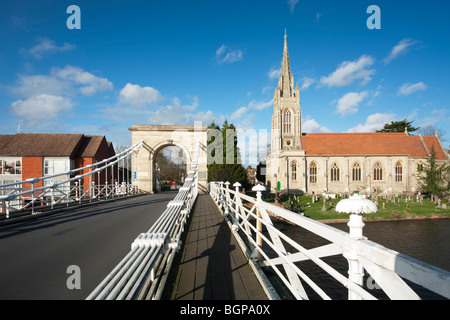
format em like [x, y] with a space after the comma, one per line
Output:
[73, 213]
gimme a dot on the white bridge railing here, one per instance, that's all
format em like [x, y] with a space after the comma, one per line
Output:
[387, 268]
[142, 273]
[65, 188]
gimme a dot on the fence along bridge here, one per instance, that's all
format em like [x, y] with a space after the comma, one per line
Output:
[143, 272]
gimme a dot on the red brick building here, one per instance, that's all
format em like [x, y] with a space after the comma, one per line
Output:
[31, 155]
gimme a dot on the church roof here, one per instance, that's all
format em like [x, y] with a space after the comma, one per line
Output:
[379, 143]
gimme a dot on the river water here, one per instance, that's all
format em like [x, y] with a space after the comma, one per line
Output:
[424, 240]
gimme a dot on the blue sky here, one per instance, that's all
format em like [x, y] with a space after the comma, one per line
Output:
[176, 62]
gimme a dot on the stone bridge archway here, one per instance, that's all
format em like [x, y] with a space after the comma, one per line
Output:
[157, 137]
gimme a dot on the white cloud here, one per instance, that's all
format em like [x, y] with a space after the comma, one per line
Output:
[274, 73]
[260, 105]
[139, 96]
[62, 82]
[311, 125]
[306, 83]
[350, 71]
[399, 49]
[223, 54]
[292, 4]
[90, 83]
[318, 16]
[177, 114]
[409, 88]
[238, 113]
[348, 104]
[47, 46]
[252, 105]
[31, 85]
[45, 97]
[41, 107]
[374, 122]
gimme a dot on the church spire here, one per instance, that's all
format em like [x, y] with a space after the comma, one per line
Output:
[285, 82]
[285, 68]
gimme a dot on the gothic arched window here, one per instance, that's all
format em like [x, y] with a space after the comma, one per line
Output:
[356, 172]
[335, 172]
[420, 166]
[377, 172]
[398, 172]
[287, 121]
[313, 173]
[294, 170]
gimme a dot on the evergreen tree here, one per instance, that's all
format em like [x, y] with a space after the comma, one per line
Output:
[225, 167]
[433, 178]
[398, 126]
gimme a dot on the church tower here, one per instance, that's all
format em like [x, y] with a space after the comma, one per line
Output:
[287, 117]
[285, 164]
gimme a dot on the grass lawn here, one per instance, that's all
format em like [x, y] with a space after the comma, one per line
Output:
[396, 210]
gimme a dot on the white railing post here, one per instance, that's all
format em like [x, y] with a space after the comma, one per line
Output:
[221, 196]
[355, 269]
[258, 190]
[355, 206]
[7, 204]
[237, 200]
[92, 192]
[79, 190]
[32, 197]
[52, 196]
[227, 199]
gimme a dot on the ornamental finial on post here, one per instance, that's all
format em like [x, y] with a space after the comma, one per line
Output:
[356, 206]
[259, 188]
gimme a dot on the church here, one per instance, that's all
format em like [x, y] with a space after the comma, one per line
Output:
[339, 162]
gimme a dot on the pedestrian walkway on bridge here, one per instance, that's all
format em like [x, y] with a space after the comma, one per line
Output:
[211, 265]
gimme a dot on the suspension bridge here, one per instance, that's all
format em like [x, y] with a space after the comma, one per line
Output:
[213, 243]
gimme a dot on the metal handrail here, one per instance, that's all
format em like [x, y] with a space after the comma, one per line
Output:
[143, 272]
[385, 266]
[70, 189]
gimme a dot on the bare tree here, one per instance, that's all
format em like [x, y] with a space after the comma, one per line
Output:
[431, 130]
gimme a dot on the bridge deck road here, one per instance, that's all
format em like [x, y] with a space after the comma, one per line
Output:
[211, 265]
[35, 254]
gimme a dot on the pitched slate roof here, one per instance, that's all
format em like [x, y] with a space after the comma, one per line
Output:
[49, 145]
[379, 143]
[90, 146]
[41, 144]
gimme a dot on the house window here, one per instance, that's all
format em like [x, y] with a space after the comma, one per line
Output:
[294, 170]
[398, 172]
[356, 172]
[10, 189]
[10, 166]
[313, 173]
[55, 166]
[287, 121]
[335, 172]
[377, 172]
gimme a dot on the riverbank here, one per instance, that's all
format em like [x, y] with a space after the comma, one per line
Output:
[389, 209]
[375, 219]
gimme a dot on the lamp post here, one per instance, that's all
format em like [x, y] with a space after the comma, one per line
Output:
[356, 206]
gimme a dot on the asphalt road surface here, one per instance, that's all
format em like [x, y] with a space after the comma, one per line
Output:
[36, 255]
